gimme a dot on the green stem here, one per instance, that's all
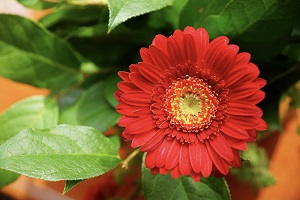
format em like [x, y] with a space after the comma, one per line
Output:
[127, 160]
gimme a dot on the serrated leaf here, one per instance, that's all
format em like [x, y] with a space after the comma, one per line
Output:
[70, 184]
[7, 177]
[62, 153]
[91, 109]
[122, 10]
[32, 55]
[34, 112]
[184, 188]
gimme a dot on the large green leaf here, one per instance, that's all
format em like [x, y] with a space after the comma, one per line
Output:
[37, 4]
[184, 188]
[93, 108]
[32, 55]
[34, 112]
[260, 26]
[62, 153]
[122, 10]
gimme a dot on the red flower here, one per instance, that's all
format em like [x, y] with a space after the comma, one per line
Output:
[191, 104]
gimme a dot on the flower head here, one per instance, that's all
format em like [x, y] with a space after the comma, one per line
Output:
[191, 104]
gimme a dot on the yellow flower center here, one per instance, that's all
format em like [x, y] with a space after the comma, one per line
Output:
[190, 104]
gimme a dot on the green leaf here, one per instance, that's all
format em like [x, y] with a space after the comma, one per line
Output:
[62, 153]
[37, 4]
[122, 10]
[255, 170]
[7, 177]
[30, 54]
[34, 112]
[184, 188]
[252, 24]
[92, 109]
[70, 184]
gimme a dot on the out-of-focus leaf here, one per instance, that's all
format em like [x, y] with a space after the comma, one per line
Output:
[61, 153]
[34, 112]
[110, 86]
[70, 184]
[170, 15]
[91, 109]
[7, 177]
[184, 188]
[254, 25]
[122, 10]
[30, 54]
[38, 4]
[72, 15]
[256, 169]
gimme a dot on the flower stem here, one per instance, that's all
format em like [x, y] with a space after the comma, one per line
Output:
[127, 160]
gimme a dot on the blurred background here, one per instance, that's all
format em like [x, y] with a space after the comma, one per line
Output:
[282, 148]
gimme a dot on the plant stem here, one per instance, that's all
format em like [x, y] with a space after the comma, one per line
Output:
[127, 160]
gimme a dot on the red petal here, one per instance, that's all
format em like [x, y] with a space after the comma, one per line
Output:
[175, 172]
[243, 90]
[151, 72]
[243, 108]
[154, 142]
[234, 130]
[126, 86]
[125, 109]
[151, 159]
[195, 156]
[175, 52]
[184, 160]
[196, 176]
[136, 98]
[236, 143]
[214, 50]
[160, 59]
[189, 49]
[206, 162]
[219, 162]
[125, 120]
[172, 157]
[261, 82]
[154, 170]
[241, 58]
[145, 54]
[163, 171]
[236, 162]
[160, 41]
[202, 41]
[141, 82]
[141, 125]
[142, 138]
[163, 152]
[221, 147]
[124, 75]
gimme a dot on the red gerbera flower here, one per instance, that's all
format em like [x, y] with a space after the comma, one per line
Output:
[191, 104]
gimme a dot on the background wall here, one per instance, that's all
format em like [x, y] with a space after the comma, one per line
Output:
[283, 148]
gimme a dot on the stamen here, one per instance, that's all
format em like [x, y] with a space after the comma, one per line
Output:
[190, 104]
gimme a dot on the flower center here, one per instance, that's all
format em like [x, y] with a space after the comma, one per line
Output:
[190, 104]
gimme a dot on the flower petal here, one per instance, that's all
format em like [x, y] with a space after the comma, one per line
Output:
[172, 158]
[219, 162]
[221, 147]
[163, 152]
[234, 130]
[184, 161]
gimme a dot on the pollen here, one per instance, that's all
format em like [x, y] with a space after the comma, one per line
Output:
[190, 104]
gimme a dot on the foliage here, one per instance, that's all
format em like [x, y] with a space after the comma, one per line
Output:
[76, 51]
